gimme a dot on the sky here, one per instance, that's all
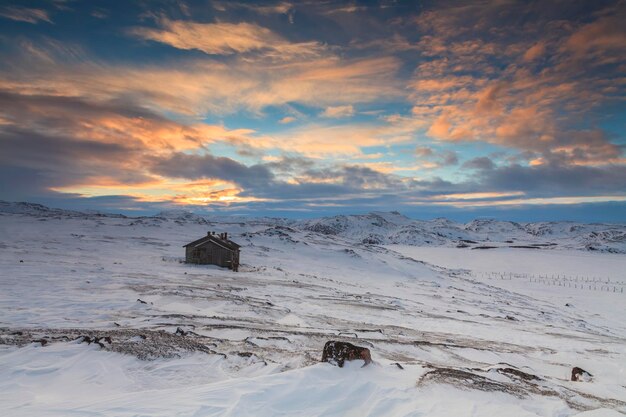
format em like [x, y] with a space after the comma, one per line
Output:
[463, 109]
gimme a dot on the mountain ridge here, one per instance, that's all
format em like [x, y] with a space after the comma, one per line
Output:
[388, 228]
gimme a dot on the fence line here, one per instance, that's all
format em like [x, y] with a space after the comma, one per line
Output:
[582, 282]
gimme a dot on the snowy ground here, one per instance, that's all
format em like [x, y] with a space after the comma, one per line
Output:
[456, 323]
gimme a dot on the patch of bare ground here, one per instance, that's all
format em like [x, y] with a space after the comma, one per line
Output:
[518, 383]
[142, 343]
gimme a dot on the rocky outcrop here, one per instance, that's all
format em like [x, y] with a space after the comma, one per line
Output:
[336, 353]
[580, 375]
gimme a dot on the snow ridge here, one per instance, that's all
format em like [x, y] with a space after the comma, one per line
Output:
[379, 228]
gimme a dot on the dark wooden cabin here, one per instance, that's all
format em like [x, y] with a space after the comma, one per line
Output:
[213, 250]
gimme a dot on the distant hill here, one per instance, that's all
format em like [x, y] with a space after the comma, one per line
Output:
[385, 228]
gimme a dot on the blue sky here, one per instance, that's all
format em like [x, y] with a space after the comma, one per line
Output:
[461, 109]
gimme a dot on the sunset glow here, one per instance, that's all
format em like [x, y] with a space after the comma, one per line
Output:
[314, 107]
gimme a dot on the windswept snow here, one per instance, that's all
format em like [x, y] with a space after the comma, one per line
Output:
[394, 228]
[189, 340]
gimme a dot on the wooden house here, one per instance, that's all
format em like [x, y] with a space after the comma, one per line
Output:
[213, 250]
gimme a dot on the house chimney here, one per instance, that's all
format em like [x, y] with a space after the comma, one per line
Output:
[225, 235]
[209, 233]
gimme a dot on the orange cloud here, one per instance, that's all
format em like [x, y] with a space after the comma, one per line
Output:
[343, 141]
[385, 167]
[600, 37]
[513, 102]
[529, 201]
[535, 51]
[440, 128]
[440, 84]
[228, 38]
[101, 122]
[476, 196]
[338, 111]
[163, 189]
[205, 86]
[516, 110]
[25, 14]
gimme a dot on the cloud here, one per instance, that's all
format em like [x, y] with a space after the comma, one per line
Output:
[440, 128]
[480, 163]
[228, 38]
[423, 152]
[339, 141]
[268, 9]
[358, 178]
[600, 39]
[180, 165]
[25, 14]
[147, 149]
[200, 86]
[338, 112]
[303, 179]
[278, 8]
[34, 163]
[557, 180]
[535, 51]
[449, 158]
[102, 103]
[290, 165]
[74, 146]
[111, 121]
[434, 84]
[437, 159]
[100, 13]
[539, 89]
[535, 87]
[516, 107]
[351, 8]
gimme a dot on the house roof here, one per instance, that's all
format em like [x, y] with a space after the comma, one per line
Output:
[225, 243]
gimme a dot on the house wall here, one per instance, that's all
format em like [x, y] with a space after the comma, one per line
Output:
[212, 254]
[189, 255]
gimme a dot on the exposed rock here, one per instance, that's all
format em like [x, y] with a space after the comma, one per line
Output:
[371, 240]
[468, 380]
[519, 384]
[336, 353]
[580, 375]
[517, 373]
[148, 345]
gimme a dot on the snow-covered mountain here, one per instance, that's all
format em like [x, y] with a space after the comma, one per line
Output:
[394, 228]
[382, 228]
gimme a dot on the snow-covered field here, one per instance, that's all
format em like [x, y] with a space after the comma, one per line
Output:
[475, 332]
